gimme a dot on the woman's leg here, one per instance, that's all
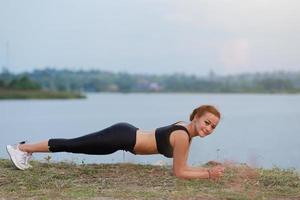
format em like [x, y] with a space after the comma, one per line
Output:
[37, 147]
[120, 136]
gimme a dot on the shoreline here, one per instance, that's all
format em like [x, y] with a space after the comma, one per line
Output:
[37, 94]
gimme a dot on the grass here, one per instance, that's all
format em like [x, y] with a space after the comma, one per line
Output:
[37, 94]
[132, 181]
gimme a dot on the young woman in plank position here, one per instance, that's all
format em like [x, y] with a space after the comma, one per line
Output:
[172, 141]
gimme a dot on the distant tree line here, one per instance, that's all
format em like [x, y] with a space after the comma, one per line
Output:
[19, 83]
[104, 81]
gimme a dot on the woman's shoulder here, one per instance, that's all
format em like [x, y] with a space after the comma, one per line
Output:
[180, 123]
[180, 139]
[180, 134]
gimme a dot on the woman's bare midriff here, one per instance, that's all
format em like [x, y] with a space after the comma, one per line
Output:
[145, 142]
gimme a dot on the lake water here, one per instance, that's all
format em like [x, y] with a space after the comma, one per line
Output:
[261, 130]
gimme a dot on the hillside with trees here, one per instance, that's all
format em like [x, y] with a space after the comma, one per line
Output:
[22, 87]
[105, 81]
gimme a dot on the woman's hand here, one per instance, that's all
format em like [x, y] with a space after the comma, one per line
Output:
[216, 172]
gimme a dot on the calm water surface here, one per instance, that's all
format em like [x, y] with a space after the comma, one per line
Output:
[261, 130]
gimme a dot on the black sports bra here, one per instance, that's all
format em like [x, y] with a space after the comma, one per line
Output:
[162, 136]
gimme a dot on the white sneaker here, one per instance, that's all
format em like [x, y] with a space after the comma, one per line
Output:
[18, 157]
[28, 158]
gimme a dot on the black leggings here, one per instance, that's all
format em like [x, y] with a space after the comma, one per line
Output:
[120, 136]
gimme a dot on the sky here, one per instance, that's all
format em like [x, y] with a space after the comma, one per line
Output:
[151, 36]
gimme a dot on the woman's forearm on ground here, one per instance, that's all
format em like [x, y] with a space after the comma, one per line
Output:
[196, 168]
[213, 172]
[200, 173]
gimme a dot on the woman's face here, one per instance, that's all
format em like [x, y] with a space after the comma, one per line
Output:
[205, 124]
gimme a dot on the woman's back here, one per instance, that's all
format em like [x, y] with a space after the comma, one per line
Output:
[145, 142]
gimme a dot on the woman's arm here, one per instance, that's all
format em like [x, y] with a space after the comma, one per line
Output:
[215, 172]
[180, 155]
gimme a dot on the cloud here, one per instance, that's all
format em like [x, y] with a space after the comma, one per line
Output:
[235, 55]
[238, 16]
[153, 36]
[269, 28]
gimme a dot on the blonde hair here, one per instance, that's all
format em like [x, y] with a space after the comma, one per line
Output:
[203, 109]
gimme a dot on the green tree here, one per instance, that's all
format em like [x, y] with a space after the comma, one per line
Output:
[23, 83]
[2, 84]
